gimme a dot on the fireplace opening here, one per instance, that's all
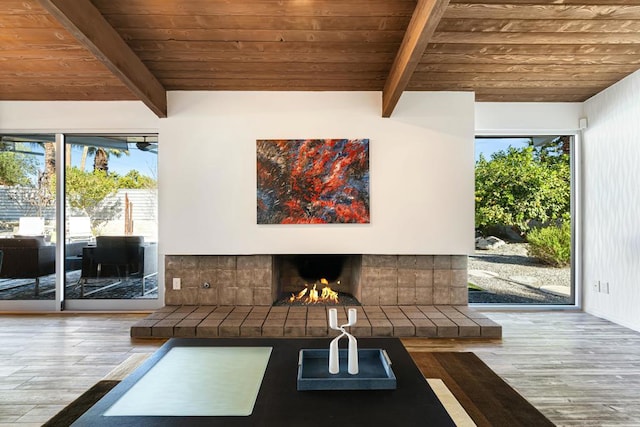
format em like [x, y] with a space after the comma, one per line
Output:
[312, 268]
[316, 279]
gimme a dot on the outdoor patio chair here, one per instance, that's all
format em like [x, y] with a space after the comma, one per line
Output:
[30, 226]
[120, 257]
[27, 258]
[79, 229]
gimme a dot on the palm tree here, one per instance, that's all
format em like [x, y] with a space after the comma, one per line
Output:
[101, 160]
[39, 194]
[101, 157]
[49, 160]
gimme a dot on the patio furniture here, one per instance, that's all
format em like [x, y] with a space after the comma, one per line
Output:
[27, 258]
[79, 229]
[118, 256]
[30, 226]
[31, 258]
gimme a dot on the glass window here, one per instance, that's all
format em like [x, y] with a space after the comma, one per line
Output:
[523, 222]
[111, 217]
[27, 217]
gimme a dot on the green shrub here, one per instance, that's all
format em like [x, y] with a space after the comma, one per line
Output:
[551, 245]
[474, 287]
[517, 186]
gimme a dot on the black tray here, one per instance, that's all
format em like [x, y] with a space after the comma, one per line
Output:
[374, 372]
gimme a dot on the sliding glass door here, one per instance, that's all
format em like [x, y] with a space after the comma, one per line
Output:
[111, 217]
[27, 219]
[105, 256]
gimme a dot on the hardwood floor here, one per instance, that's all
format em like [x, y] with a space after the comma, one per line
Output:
[49, 360]
[577, 369]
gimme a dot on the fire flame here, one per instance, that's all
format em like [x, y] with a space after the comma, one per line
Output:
[311, 296]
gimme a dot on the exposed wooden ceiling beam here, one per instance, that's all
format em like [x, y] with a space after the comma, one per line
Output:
[424, 21]
[91, 29]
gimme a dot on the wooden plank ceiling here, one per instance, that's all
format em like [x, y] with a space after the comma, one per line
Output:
[503, 50]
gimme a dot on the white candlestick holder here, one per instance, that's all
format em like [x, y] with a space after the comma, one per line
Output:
[334, 359]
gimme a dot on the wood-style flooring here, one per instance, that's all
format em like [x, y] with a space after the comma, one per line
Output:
[577, 369]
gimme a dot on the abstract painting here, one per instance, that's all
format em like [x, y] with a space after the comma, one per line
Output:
[313, 181]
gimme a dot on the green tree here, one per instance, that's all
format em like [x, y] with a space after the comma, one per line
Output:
[518, 186]
[17, 169]
[134, 179]
[88, 191]
[101, 157]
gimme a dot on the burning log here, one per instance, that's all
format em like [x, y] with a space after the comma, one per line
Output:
[327, 295]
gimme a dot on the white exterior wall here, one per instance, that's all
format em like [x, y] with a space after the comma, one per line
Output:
[612, 203]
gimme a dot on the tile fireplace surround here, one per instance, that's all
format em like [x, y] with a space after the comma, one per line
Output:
[377, 279]
[401, 295]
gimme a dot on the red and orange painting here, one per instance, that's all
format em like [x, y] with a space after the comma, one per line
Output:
[313, 181]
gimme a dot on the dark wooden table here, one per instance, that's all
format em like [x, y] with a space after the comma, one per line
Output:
[279, 403]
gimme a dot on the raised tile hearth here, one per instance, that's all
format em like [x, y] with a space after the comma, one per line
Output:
[311, 321]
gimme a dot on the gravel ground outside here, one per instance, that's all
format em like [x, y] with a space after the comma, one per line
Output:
[507, 275]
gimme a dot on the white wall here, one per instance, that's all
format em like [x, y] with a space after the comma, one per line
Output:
[421, 171]
[76, 116]
[527, 118]
[612, 203]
